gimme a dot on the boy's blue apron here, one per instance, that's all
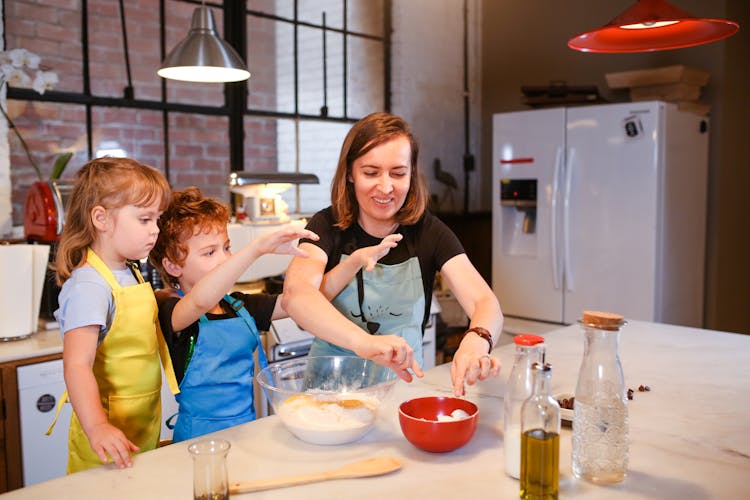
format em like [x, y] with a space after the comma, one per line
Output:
[387, 300]
[217, 389]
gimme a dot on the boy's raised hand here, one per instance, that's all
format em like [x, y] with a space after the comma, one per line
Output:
[371, 255]
[284, 241]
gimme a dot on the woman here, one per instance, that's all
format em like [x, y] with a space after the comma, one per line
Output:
[378, 191]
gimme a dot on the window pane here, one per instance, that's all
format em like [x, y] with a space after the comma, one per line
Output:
[310, 48]
[265, 61]
[106, 49]
[51, 31]
[282, 8]
[133, 133]
[366, 81]
[199, 153]
[284, 67]
[311, 11]
[319, 146]
[49, 129]
[365, 16]
[260, 145]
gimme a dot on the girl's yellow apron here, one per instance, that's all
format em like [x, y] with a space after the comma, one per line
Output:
[127, 371]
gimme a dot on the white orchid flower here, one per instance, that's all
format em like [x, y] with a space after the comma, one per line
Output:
[45, 80]
[17, 78]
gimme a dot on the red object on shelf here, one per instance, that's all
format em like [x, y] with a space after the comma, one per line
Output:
[40, 214]
[652, 25]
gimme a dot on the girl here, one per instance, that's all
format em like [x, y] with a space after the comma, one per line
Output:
[107, 312]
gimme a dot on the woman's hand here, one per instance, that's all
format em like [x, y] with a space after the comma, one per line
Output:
[471, 363]
[391, 351]
[283, 241]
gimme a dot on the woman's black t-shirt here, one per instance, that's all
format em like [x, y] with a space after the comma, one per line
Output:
[430, 240]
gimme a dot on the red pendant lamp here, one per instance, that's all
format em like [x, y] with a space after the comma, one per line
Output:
[651, 25]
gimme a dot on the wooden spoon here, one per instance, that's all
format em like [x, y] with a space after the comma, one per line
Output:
[363, 468]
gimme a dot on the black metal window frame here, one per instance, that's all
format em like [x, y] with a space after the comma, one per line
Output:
[235, 107]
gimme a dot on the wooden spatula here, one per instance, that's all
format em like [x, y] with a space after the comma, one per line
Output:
[363, 468]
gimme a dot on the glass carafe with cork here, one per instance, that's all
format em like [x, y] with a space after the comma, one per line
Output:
[600, 416]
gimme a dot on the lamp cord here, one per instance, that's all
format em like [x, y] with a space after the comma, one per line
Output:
[128, 91]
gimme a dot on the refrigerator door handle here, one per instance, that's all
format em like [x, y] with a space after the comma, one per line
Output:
[567, 265]
[556, 268]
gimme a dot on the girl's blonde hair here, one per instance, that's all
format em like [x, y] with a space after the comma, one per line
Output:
[368, 133]
[110, 183]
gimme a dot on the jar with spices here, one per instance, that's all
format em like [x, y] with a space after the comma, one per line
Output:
[529, 350]
[600, 414]
[540, 439]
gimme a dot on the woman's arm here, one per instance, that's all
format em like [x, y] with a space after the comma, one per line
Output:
[214, 285]
[79, 351]
[471, 362]
[336, 279]
[305, 303]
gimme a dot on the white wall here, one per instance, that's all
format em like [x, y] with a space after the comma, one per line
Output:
[428, 87]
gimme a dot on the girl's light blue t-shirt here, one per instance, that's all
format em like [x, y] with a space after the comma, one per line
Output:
[86, 299]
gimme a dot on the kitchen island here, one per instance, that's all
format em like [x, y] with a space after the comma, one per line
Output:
[689, 435]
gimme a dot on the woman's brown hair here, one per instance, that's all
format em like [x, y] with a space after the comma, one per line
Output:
[111, 183]
[368, 133]
[188, 213]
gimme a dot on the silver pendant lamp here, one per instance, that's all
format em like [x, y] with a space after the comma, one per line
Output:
[202, 56]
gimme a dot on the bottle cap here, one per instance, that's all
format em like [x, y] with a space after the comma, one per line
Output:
[527, 339]
[542, 367]
[603, 320]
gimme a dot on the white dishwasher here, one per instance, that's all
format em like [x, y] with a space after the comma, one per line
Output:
[40, 385]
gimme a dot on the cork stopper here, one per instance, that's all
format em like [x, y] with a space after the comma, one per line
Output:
[603, 320]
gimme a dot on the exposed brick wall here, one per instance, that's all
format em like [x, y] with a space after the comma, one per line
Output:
[199, 152]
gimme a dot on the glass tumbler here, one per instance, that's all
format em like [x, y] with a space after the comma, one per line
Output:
[210, 478]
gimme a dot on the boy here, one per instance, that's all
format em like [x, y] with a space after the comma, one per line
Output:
[211, 335]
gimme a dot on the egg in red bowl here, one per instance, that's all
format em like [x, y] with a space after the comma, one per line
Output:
[438, 424]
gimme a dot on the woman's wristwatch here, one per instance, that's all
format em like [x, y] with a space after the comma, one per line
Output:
[482, 332]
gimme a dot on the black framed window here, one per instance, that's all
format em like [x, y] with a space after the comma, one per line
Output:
[317, 66]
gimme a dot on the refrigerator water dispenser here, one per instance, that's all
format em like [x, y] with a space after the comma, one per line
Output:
[518, 201]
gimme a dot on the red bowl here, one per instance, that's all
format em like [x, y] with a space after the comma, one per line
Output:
[419, 423]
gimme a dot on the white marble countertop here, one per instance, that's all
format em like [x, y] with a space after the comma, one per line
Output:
[40, 343]
[689, 436]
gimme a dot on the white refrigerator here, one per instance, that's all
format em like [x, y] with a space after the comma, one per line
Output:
[600, 207]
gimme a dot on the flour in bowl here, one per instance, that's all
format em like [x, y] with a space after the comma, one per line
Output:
[328, 418]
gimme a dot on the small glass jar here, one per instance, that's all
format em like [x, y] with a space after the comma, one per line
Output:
[529, 350]
[210, 478]
[600, 413]
[540, 439]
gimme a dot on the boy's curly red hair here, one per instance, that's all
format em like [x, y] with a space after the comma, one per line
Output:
[189, 213]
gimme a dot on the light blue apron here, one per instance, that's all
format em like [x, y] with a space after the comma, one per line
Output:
[387, 300]
[217, 389]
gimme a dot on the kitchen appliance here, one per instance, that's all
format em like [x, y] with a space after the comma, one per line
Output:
[617, 194]
[260, 209]
[43, 220]
[39, 387]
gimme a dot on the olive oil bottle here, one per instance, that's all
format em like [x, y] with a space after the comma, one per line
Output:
[540, 439]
